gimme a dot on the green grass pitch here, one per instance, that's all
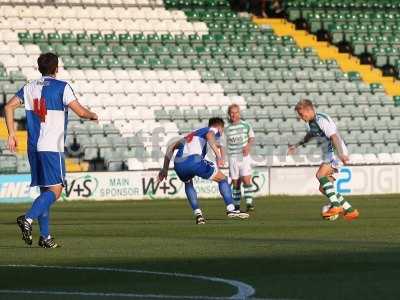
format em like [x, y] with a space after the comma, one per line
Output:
[285, 250]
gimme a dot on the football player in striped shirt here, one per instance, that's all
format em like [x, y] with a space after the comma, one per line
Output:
[322, 127]
[46, 101]
[190, 162]
[240, 136]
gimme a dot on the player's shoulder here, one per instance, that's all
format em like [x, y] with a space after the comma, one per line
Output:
[202, 131]
[245, 123]
[59, 82]
[241, 123]
[323, 117]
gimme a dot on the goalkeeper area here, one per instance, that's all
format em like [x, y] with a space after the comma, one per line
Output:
[154, 250]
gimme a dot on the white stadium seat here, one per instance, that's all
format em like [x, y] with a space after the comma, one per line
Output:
[371, 158]
[385, 158]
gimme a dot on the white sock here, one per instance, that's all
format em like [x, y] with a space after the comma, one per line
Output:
[197, 212]
[29, 220]
[230, 207]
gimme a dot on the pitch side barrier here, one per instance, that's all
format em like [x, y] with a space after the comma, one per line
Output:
[143, 185]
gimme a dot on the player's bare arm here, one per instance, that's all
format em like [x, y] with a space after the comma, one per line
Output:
[9, 110]
[247, 148]
[292, 148]
[223, 154]
[167, 158]
[215, 148]
[82, 111]
[337, 143]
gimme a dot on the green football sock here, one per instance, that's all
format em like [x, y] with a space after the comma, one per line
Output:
[236, 194]
[346, 205]
[329, 191]
[248, 194]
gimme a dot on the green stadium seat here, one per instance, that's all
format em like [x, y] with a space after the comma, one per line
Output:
[17, 76]
[45, 48]
[84, 62]
[127, 62]
[25, 37]
[111, 39]
[119, 51]
[54, 38]
[161, 51]
[113, 63]
[134, 51]
[77, 50]
[83, 39]
[69, 38]
[39, 38]
[105, 51]
[97, 39]
[184, 63]
[62, 50]
[90, 50]
[69, 62]
[141, 63]
[125, 39]
[167, 39]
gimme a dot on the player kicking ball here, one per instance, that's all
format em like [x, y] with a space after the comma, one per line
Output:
[190, 162]
[46, 103]
[322, 127]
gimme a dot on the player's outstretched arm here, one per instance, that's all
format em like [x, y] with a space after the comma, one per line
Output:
[340, 148]
[215, 147]
[81, 111]
[9, 109]
[167, 158]
[305, 140]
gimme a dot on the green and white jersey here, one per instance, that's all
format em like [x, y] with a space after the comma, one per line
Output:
[322, 128]
[237, 136]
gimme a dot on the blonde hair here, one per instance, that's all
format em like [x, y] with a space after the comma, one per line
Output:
[303, 103]
[234, 105]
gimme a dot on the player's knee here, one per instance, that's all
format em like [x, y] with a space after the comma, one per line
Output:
[247, 180]
[321, 190]
[236, 183]
[219, 176]
[57, 190]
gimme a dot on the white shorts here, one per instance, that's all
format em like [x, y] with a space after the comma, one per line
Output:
[330, 159]
[239, 167]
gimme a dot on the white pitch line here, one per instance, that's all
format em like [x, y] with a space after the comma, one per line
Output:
[244, 291]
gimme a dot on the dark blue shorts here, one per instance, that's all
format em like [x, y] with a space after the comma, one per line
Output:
[47, 168]
[193, 165]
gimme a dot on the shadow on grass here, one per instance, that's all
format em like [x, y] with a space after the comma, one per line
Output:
[335, 275]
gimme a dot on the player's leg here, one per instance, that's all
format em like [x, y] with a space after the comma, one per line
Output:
[45, 240]
[191, 195]
[245, 173]
[185, 172]
[349, 212]
[236, 190]
[324, 175]
[248, 192]
[226, 193]
[24, 225]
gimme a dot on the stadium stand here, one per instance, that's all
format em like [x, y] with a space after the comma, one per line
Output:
[153, 70]
[367, 29]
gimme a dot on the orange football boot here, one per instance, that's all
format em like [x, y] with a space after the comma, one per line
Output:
[350, 216]
[333, 211]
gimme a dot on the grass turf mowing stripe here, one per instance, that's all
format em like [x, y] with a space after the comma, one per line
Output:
[244, 291]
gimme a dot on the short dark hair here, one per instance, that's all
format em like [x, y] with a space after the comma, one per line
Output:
[215, 121]
[303, 103]
[47, 63]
